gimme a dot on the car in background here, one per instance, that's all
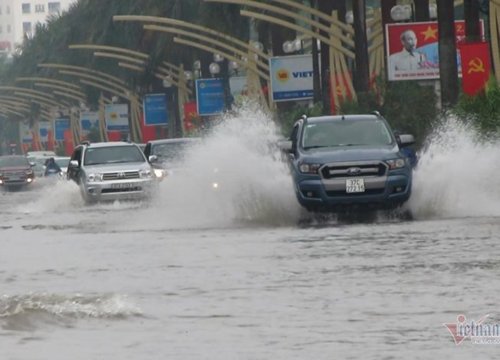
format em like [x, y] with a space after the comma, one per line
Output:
[15, 171]
[167, 155]
[112, 171]
[39, 158]
[63, 162]
[349, 162]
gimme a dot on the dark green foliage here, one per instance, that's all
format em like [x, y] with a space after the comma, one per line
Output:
[483, 110]
[407, 105]
[286, 119]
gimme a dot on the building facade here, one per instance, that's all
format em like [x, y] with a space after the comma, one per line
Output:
[19, 18]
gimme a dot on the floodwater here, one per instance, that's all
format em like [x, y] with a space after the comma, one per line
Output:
[236, 273]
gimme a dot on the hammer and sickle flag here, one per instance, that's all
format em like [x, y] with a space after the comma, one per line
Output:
[475, 57]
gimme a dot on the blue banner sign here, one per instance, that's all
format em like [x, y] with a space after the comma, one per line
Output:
[209, 96]
[155, 109]
[60, 126]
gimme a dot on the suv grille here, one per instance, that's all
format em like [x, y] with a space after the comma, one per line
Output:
[124, 175]
[344, 170]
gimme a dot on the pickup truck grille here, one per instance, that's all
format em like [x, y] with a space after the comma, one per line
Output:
[123, 175]
[346, 170]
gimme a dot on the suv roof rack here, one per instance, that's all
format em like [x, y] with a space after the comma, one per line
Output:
[376, 113]
[85, 142]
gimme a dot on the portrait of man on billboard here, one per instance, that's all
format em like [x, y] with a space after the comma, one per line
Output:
[410, 57]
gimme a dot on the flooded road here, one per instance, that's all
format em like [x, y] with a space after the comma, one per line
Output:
[198, 275]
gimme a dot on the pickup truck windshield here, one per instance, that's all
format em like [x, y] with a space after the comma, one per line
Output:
[346, 133]
[113, 154]
[13, 161]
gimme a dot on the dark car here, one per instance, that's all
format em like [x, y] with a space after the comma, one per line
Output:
[15, 171]
[168, 154]
[349, 161]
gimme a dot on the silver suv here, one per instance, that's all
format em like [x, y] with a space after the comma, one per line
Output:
[111, 171]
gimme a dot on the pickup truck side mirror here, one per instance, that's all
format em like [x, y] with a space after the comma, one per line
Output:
[406, 140]
[73, 163]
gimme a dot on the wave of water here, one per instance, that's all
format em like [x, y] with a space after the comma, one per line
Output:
[457, 175]
[26, 312]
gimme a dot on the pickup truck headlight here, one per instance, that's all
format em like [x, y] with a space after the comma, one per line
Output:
[396, 163]
[309, 168]
[146, 173]
[94, 177]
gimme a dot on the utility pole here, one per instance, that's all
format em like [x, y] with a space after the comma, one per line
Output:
[327, 7]
[448, 70]
[421, 10]
[362, 75]
[472, 24]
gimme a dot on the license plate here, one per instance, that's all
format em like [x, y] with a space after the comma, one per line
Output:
[355, 185]
[122, 186]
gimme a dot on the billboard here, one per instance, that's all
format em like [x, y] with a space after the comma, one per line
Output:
[116, 117]
[210, 96]
[291, 77]
[25, 133]
[155, 109]
[413, 52]
[88, 120]
[61, 125]
[43, 128]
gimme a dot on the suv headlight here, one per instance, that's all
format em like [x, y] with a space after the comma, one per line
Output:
[160, 173]
[396, 163]
[28, 172]
[94, 177]
[309, 168]
[145, 174]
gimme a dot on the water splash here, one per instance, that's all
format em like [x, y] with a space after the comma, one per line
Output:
[25, 312]
[235, 174]
[457, 174]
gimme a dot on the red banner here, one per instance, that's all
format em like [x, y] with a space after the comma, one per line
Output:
[68, 142]
[50, 140]
[115, 136]
[342, 88]
[190, 114]
[475, 66]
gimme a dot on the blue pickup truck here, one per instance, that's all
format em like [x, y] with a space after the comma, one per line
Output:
[349, 162]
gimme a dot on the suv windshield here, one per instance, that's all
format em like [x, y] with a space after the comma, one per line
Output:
[13, 161]
[113, 154]
[346, 133]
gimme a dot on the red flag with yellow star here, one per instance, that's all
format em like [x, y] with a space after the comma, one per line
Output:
[475, 66]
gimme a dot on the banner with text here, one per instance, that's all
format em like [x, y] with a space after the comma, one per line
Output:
[291, 77]
[116, 117]
[88, 120]
[209, 96]
[44, 128]
[155, 109]
[61, 125]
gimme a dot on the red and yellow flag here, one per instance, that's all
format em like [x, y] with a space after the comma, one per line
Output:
[475, 58]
